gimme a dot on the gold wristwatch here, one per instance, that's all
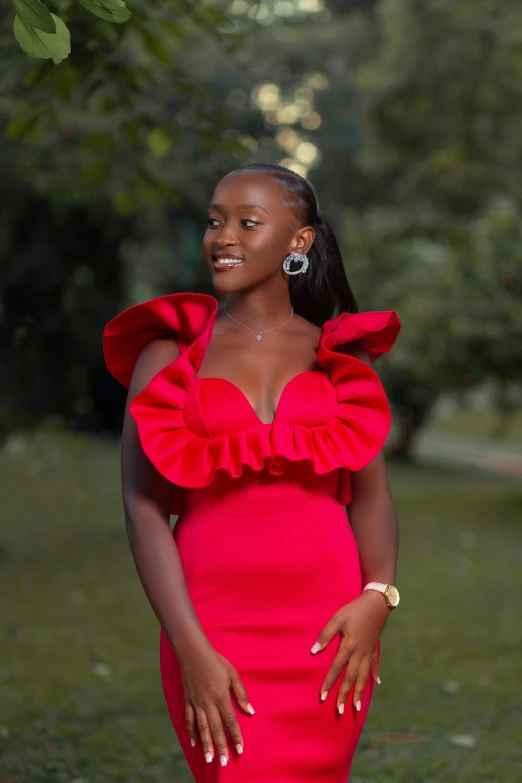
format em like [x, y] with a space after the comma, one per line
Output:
[390, 592]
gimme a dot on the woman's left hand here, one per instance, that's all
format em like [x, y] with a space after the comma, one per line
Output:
[360, 623]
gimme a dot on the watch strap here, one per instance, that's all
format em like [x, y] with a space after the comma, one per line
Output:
[380, 586]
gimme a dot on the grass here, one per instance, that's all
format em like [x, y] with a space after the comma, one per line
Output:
[81, 698]
[478, 424]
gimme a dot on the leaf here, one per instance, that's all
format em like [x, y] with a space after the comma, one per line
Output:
[110, 10]
[172, 29]
[97, 172]
[123, 202]
[159, 141]
[156, 47]
[47, 46]
[130, 130]
[19, 126]
[463, 740]
[98, 141]
[36, 15]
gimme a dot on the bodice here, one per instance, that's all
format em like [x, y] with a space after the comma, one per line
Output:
[335, 418]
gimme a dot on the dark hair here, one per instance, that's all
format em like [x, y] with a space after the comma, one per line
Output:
[324, 287]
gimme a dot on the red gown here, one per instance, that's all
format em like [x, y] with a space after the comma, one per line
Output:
[262, 532]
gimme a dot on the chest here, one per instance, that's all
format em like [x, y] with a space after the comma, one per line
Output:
[239, 385]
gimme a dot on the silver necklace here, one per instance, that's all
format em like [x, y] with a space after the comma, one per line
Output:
[258, 334]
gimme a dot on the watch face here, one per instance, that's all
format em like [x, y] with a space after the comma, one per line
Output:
[393, 595]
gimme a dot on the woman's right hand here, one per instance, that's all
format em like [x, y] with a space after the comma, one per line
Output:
[207, 679]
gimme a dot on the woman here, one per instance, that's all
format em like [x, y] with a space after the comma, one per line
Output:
[256, 422]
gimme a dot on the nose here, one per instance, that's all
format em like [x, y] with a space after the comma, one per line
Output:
[225, 239]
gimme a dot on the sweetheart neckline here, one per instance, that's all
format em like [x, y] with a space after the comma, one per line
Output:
[281, 396]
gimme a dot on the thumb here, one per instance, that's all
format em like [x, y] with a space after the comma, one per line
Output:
[240, 692]
[326, 635]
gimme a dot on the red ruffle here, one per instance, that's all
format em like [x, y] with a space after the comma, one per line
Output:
[352, 436]
[125, 336]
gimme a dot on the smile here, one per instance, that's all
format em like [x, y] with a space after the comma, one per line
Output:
[226, 263]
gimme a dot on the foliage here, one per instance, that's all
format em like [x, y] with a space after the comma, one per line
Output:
[42, 34]
[123, 113]
[110, 158]
[94, 155]
[440, 238]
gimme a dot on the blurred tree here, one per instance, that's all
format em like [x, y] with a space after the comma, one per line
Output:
[122, 114]
[95, 152]
[440, 239]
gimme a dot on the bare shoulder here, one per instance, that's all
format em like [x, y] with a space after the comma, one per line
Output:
[157, 354]
[306, 329]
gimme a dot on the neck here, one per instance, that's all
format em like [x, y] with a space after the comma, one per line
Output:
[257, 310]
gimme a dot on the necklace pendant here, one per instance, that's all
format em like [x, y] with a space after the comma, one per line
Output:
[258, 336]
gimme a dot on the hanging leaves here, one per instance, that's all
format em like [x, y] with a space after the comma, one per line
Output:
[36, 15]
[44, 35]
[111, 10]
[36, 43]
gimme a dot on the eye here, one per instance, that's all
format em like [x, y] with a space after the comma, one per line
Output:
[212, 221]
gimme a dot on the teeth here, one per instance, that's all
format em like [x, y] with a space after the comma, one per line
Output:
[229, 260]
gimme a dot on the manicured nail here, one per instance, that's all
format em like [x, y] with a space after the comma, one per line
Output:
[316, 647]
[324, 694]
[358, 705]
[250, 708]
[208, 756]
[341, 708]
[192, 741]
[239, 748]
[223, 760]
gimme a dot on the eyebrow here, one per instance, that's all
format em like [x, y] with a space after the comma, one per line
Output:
[242, 206]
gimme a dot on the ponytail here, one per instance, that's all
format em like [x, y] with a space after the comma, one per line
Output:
[324, 288]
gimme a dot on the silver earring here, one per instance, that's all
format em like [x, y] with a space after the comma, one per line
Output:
[302, 257]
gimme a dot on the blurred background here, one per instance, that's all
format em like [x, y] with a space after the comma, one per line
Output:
[406, 116]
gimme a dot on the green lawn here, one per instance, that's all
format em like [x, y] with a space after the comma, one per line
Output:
[478, 424]
[80, 693]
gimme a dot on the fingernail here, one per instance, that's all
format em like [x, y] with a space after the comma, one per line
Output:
[378, 680]
[223, 760]
[358, 705]
[324, 694]
[316, 647]
[341, 708]
[250, 708]
[208, 756]
[192, 741]
[239, 748]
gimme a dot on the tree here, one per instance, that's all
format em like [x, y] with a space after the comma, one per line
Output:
[442, 109]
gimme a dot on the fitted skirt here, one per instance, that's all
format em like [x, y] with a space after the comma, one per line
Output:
[268, 560]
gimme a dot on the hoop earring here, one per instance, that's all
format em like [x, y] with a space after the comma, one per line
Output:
[302, 257]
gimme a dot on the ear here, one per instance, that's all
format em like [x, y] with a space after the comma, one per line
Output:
[305, 239]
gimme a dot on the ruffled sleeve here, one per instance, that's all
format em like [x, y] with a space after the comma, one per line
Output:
[188, 316]
[125, 336]
[377, 331]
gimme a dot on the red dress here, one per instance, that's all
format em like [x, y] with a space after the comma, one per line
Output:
[263, 535]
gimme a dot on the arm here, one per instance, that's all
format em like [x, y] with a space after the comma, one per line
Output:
[371, 513]
[372, 517]
[206, 675]
[147, 501]
[360, 622]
